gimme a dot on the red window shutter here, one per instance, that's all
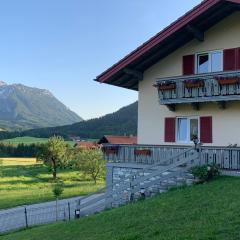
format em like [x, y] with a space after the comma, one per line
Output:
[206, 129]
[238, 59]
[188, 64]
[230, 59]
[170, 125]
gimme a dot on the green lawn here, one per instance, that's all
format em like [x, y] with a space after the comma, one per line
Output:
[23, 181]
[203, 212]
[29, 140]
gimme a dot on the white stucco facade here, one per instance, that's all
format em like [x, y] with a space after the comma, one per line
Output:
[151, 115]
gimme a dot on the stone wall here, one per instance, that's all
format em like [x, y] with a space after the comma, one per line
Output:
[120, 176]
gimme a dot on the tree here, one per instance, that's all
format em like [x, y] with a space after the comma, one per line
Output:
[67, 159]
[57, 190]
[1, 164]
[52, 153]
[90, 162]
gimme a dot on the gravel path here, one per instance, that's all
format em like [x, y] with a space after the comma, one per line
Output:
[42, 213]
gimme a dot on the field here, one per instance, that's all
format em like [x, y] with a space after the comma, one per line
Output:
[24, 181]
[208, 211]
[28, 140]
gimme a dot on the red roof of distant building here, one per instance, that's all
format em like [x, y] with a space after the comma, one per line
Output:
[118, 139]
[87, 145]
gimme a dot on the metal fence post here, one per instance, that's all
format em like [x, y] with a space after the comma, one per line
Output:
[26, 218]
[200, 154]
[132, 188]
[69, 211]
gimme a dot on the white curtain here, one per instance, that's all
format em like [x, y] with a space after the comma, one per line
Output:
[182, 130]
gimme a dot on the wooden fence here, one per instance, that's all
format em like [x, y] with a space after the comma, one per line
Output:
[226, 157]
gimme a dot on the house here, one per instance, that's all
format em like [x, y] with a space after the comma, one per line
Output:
[187, 77]
[87, 145]
[188, 82]
[75, 138]
[118, 140]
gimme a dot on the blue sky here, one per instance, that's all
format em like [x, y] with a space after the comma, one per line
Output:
[62, 45]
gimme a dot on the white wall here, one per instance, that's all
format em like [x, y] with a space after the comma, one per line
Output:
[151, 115]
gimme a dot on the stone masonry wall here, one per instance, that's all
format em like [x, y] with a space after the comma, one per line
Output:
[119, 178]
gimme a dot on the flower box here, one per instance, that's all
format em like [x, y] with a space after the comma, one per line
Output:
[193, 83]
[143, 152]
[110, 150]
[227, 81]
[167, 86]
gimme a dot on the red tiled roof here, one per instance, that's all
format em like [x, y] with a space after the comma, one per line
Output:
[87, 145]
[160, 37]
[120, 139]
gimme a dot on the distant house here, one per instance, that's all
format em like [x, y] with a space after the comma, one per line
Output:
[75, 138]
[87, 145]
[118, 139]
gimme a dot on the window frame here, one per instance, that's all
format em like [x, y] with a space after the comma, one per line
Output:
[209, 53]
[188, 141]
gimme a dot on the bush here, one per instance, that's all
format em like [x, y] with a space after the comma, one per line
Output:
[206, 172]
[57, 189]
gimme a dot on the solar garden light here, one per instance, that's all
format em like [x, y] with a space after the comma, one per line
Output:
[77, 213]
[142, 192]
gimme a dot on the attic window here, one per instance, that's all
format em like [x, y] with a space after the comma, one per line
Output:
[209, 62]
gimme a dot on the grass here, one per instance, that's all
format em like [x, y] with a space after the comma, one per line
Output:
[29, 140]
[203, 212]
[23, 181]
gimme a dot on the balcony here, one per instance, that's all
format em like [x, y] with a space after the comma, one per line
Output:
[211, 87]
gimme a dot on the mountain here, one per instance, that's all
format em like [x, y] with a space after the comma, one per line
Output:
[124, 121]
[23, 107]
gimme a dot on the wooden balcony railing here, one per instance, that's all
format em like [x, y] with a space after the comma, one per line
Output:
[227, 157]
[210, 87]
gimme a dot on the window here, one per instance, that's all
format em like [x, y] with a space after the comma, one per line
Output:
[193, 128]
[187, 129]
[203, 63]
[209, 62]
[182, 129]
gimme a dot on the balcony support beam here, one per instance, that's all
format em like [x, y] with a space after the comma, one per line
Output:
[171, 107]
[197, 33]
[222, 104]
[196, 106]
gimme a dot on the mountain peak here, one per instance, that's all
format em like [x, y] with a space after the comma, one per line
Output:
[2, 83]
[24, 107]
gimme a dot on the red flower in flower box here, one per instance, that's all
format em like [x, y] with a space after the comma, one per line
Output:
[110, 150]
[227, 80]
[168, 85]
[193, 83]
[144, 152]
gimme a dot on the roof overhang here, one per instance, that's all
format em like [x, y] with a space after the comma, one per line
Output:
[129, 71]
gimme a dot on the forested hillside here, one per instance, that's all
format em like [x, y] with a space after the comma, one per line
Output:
[124, 121]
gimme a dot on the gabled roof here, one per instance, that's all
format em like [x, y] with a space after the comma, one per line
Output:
[118, 139]
[128, 71]
[87, 145]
